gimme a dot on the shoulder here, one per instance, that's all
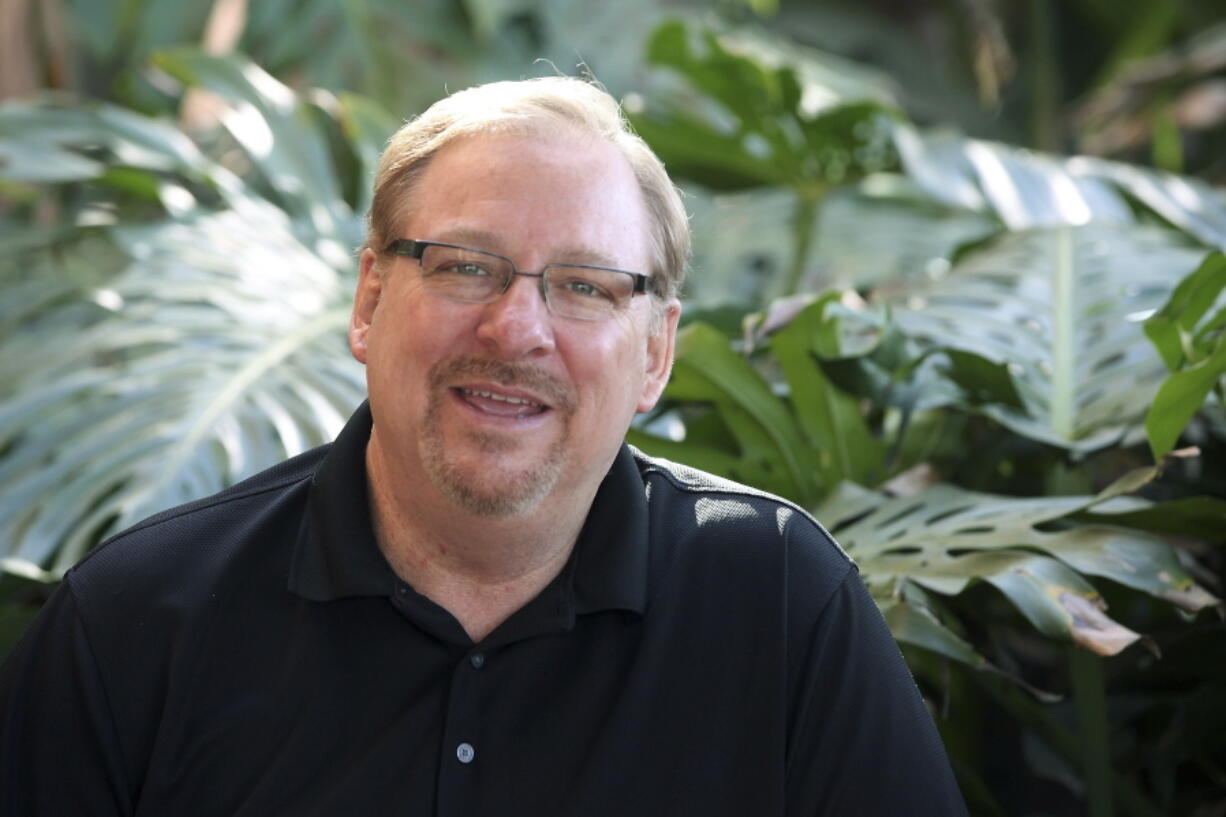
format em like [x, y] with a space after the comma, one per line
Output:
[712, 519]
[191, 544]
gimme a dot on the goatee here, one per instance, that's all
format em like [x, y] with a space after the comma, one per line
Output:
[489, 488]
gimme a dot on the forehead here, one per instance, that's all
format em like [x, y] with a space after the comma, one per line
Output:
[540, 197]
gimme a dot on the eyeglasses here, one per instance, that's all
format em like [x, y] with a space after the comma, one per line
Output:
[579, 291]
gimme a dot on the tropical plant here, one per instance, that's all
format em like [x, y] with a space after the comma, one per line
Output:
[1194, 349]
[961, 387]
[977, 422]
[774, 129]
[185, 328]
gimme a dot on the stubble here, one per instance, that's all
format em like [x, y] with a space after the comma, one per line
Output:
[488, 488]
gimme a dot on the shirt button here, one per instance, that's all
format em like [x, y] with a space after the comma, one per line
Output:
[477, 660]
[465, 752]
[402, 590]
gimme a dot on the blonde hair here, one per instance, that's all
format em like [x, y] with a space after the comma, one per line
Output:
[527, 104]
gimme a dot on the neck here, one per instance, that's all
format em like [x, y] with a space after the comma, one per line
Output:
[481, 569]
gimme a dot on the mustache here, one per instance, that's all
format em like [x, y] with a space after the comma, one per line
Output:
[512, 375]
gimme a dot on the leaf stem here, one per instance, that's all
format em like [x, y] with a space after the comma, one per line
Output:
[804, 222]
[1064, 351]
[231, 392]
[1033, 716]
[1086, 676]
[1044, 79]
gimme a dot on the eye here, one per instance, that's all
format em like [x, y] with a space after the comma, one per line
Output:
[466, 269]
[584, 288]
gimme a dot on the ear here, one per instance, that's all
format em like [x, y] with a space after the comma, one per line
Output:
[370, 288]
[660, 347]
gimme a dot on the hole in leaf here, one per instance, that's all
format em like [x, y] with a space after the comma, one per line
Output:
[903, 514]
[905, 550]
[943, 515]
[843, 524]
[974, 529]
[1109, 360]
[1089, 397]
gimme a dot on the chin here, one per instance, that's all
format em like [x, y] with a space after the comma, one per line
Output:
[489, 482]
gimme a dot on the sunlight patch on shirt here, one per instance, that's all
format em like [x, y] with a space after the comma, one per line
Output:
[712, 511]
[783, 515]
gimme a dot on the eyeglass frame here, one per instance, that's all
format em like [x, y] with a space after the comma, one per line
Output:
[416, 248]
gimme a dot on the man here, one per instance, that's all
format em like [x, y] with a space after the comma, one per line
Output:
[478, 600]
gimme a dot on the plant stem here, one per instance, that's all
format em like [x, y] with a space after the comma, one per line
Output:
[1064, 742]
[804, 226]
[1089, 697]
[1044, 77]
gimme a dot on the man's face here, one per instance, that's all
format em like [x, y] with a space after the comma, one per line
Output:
[497, 406]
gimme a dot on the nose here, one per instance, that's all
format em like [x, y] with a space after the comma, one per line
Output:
[518, 324]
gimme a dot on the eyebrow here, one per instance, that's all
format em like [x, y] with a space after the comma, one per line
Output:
[480, 239]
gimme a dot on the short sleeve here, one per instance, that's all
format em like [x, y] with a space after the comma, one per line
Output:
[861, 740]
[59, 751]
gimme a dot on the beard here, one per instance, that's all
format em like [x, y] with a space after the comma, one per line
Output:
[491, 488]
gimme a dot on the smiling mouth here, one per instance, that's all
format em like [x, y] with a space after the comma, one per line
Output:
[503, 405]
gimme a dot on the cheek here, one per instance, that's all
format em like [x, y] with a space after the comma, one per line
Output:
[615, 372]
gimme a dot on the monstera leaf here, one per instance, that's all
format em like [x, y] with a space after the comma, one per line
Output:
[1061, 308]
[1022, 189]
[276, 130]
[188, 329]
[945, 538]
[1026, 190]
[224, 354]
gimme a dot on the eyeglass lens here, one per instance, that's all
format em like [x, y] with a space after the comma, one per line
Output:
[479, 277]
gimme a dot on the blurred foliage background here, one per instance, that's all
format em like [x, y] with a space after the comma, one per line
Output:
[958, 287]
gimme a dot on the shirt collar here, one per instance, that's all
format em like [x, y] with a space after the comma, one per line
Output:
[337, 557]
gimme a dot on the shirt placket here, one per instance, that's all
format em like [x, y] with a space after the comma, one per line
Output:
[461, 761]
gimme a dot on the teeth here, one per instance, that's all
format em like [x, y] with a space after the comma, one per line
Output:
[502, 398]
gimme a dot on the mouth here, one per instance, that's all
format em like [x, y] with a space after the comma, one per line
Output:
[511, 395]
[501, 402]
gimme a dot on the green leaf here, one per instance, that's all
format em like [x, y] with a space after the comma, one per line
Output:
[774, 453]
[282, 138]
[748, 89]
[29, 162]
[1193, 517]
[367, 126]
[695, 455]
[1131, 558]
[830, 418]
[1189, 204]
[849, 252]
[1181, 395]
[1023, 189]
[1026, 190]
[1172, 327]
[911, 624]
[489, 16]
[1059, 308]
[763, 8]
[981, 380]
[224, 354]
[944, 538]
[752, 124]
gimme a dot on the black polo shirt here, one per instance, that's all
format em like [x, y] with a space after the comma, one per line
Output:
[707, 650]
